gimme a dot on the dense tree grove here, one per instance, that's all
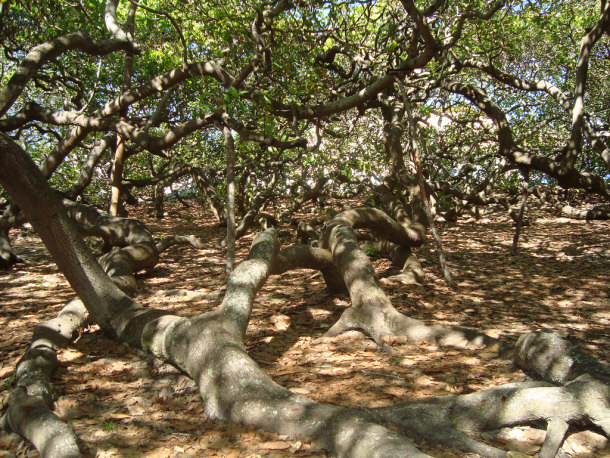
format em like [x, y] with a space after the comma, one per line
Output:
[423, 108]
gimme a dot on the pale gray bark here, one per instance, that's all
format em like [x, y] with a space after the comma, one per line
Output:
[574, 147]
[30, 403]
[133, 247]
[210, 347]
[567, 176]
[371, 311]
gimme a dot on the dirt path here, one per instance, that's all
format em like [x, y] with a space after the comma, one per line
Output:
[119, 399]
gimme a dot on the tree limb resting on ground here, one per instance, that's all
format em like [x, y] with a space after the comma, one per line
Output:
[210, 347]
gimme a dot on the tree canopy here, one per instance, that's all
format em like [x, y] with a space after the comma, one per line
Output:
[501, 86]
[427, 107]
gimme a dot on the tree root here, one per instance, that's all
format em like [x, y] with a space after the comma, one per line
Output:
[546, 355]
[210, 349]
[586, 398]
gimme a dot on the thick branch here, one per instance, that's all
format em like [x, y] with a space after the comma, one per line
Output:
[24, 182]
[307, 257]
[48, 51]
[557, 94]
[371, 311]
[30, 404]
[567, 177]
[580, 85]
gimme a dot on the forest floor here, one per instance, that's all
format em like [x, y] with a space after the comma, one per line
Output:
[123, 402]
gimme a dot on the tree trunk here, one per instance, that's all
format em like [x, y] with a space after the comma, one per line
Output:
[116, 173]
[413, 217]
[231, 236]
[116, 176]
[210, 347]
[159, 200]
[207, 192]
[519, 220]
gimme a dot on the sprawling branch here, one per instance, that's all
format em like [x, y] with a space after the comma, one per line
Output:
[557, 94]
[430, 41]
[30, 404]
[470, 15]
[371, 311]
[580, 85]
[50, 50]
[209, 348]
[567, 177]
[87, 167]
[136, 134]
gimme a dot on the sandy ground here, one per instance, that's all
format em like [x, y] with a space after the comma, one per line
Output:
[122, 402]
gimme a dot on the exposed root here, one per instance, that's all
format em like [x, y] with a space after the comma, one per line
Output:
[233, 387]
[586, 379]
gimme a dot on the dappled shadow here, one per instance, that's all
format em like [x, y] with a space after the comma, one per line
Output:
[539, 287]
[291, 313]
[558, 280]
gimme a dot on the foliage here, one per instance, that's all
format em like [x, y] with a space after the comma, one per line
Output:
[305, 55]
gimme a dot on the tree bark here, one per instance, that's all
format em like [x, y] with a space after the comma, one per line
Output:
[116, 173]
[231, 235]
[116, 176]
[210, 347]
[416, 140]
[371, 311]
[413, 218]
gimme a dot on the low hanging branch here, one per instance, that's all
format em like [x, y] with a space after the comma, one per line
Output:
[519, 221]
[415, 140]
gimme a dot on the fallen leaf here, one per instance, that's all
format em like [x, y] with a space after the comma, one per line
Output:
[276, 445]
[301, 390]
[118, 416]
